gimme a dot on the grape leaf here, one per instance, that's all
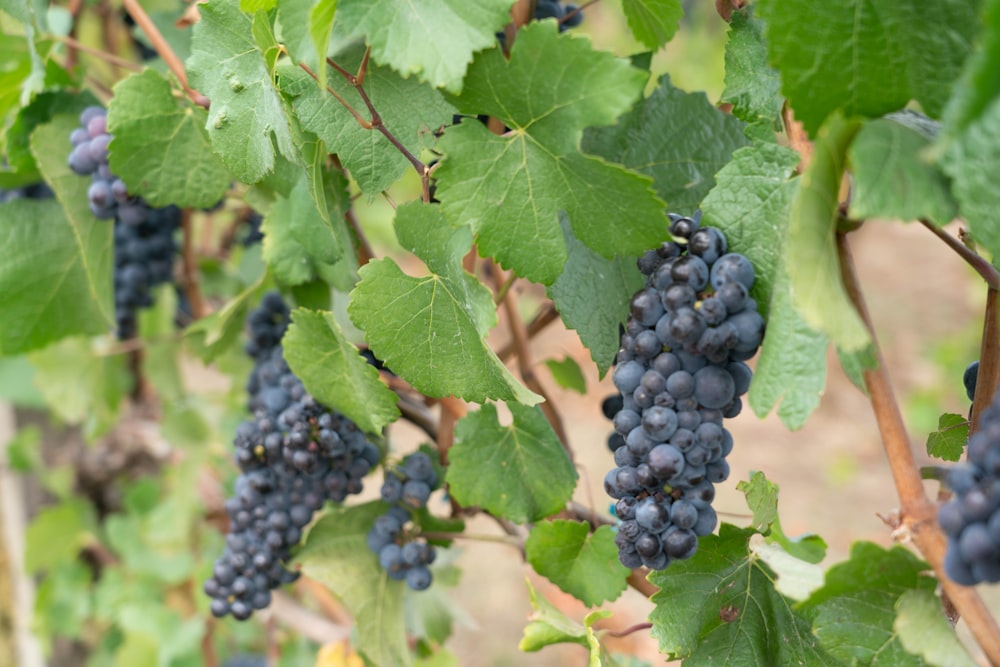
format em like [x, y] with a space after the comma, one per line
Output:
[337, 375]
[811, 249]
[653, 22]
[307, 26]
[567, 374]
[592, 295]
[212, 335]
[336, 554]
[867, 58]
[434, 39]
[795, 578]
[160, 146]
[762, 499]
[924, 630]
[678, 138]
[247, 118]
[409, 109]
[582, 564]
[520, 472]
[511, 188]
[57, 533]
[299, 242]
[56, 280]
[892, 177]
[948, 442]
[972, 136]
[722, 604]
[750, 205]
[547, 626]
[852, 614]
[430, 330]
[752, 86]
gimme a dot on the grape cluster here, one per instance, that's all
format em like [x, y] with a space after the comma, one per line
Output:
[401, 555]
[144, 236]
[969, 379]
[294, 455]
[32, 191]
[680, 371]
[552, 9]
[971, 519]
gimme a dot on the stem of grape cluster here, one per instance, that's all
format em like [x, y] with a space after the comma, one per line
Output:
[918, 515]
[162, 47]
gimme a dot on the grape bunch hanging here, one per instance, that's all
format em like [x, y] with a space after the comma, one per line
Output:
[401, 553]
[144, 236]
[680, 371]
[971, 519]
[294, 455]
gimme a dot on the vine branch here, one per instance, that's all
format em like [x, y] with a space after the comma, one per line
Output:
[986, 270]
[161, 46]
[190, 268]
[375, 122]
[918, 515]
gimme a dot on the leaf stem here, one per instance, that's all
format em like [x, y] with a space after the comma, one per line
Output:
[917, 515]
[376, 122]
[162, 47]
[986, 270]
[638, 627]
[76, 45]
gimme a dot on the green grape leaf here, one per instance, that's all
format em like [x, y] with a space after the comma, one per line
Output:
[57, 533]
[752, 86]
[924, 630]
[948, 442]
[529, 474]
[247, 120]
[852, 615]
[334, 373]
[81, 384]
[653, 22]
[307, 26]
[795, 578]
[430, 330]
[411, 110]
[547, 626]
[434, 39]
[160, 147]
[811, 248]
[678, 138]
[893, 177]
[972, 136]
[762, 499]
[212, 335]
[579, 562]
[336, 554]
[750, 205]
[592, 295]
[867, 59]
[56, 281]
[567, 374]
[510, 188]
[299, 241]
[722, 602]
